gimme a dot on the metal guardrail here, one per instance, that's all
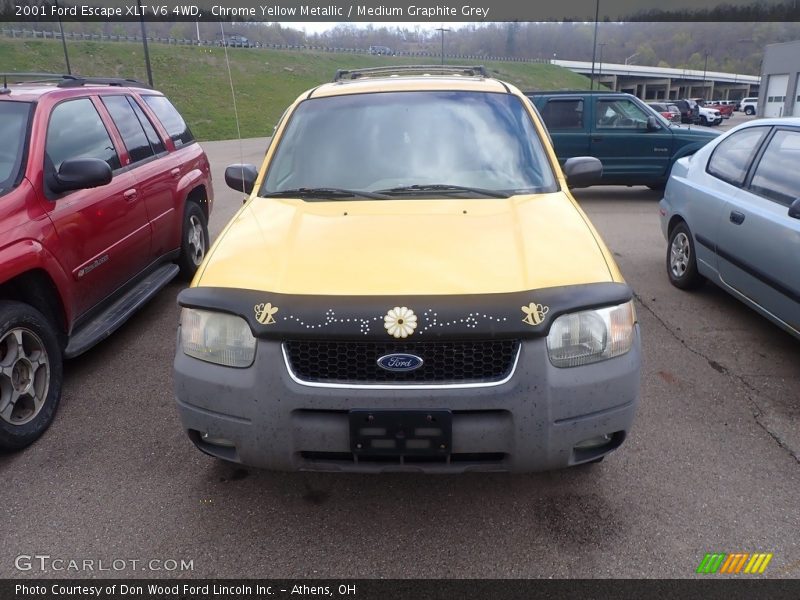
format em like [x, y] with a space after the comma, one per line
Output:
[55, 35]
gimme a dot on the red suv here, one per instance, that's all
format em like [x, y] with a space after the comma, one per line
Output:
[104, 199]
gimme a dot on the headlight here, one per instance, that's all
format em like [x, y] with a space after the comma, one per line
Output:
[590, 336]
[217, 338]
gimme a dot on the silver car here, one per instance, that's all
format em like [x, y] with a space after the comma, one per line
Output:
[731, 214]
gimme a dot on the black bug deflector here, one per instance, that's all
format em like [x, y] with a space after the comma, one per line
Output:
[520, 315]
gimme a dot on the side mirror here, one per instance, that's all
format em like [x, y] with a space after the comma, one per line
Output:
[794, 209]
[80, 174]
[583, 171]
[652, 124]
[241, 178]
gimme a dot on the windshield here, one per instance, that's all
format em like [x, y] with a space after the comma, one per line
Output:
[414, 143]
[14, 118]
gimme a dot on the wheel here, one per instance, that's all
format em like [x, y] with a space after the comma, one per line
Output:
[703, 121]
[681, 262]
[749, 110]
[30, 375]
[194, 243]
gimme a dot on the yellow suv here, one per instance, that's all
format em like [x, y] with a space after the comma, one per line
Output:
[410, 286]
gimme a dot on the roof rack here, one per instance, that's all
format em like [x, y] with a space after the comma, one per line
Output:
[78, 80]
[66, 81]
[388, 71]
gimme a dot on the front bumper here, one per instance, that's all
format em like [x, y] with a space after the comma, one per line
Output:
[532, 422]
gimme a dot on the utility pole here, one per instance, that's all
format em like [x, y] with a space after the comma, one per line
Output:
[705, 68]
[63, 39]
[600, 69]
[594, 43]
[144, 43]
[442, 30]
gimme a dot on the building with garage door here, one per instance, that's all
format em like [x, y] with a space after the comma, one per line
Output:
[780, 81]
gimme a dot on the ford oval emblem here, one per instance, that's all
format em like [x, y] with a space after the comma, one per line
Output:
[400, 362]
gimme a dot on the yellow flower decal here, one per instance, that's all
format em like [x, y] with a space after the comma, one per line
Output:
[265, 312]
[400, 322]
[534, 313]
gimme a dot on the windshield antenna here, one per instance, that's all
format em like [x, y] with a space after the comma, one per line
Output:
[233, 97]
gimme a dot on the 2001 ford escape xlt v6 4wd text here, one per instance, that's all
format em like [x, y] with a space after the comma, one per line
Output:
[410, 286]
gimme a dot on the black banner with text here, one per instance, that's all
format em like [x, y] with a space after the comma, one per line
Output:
[386, 589]
[400, 10]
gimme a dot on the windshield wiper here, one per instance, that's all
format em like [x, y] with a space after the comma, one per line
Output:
[443, 188]
[324, 192]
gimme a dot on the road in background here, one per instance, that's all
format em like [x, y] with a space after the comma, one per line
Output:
[711, 465]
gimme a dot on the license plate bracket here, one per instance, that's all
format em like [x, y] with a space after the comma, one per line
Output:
[401, 432]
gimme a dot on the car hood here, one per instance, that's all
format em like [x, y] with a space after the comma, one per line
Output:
[694, 132]
[408, 246]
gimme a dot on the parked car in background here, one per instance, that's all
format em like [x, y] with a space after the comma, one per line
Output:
[236, 41]
[104, 199]
[690, 111]
[749, 106]
[381, 50]
[725, 109]
[636, 145]
[710, 117]
[731, 215]
[667, 110]
[466, 315]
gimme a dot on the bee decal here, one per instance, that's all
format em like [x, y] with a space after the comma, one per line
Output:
[534, 313]
[265, 312]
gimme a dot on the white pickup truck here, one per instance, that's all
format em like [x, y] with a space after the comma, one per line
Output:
[710, 116]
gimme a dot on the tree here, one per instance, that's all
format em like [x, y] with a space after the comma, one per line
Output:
[647, 56]
[512, 30]
[695, 62]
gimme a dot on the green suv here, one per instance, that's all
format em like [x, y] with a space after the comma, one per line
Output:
[636, 145]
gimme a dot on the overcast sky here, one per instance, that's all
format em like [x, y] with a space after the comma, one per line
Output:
[319, 26]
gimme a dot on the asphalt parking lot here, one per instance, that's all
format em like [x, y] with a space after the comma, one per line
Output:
[711, 465]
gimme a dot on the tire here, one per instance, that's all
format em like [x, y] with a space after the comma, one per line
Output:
[31, 374]
[749, 110]
[591, 464]
[194, 240]
[703, 121]
[681, 261]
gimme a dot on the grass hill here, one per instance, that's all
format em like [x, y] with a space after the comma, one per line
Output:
[265, 81]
